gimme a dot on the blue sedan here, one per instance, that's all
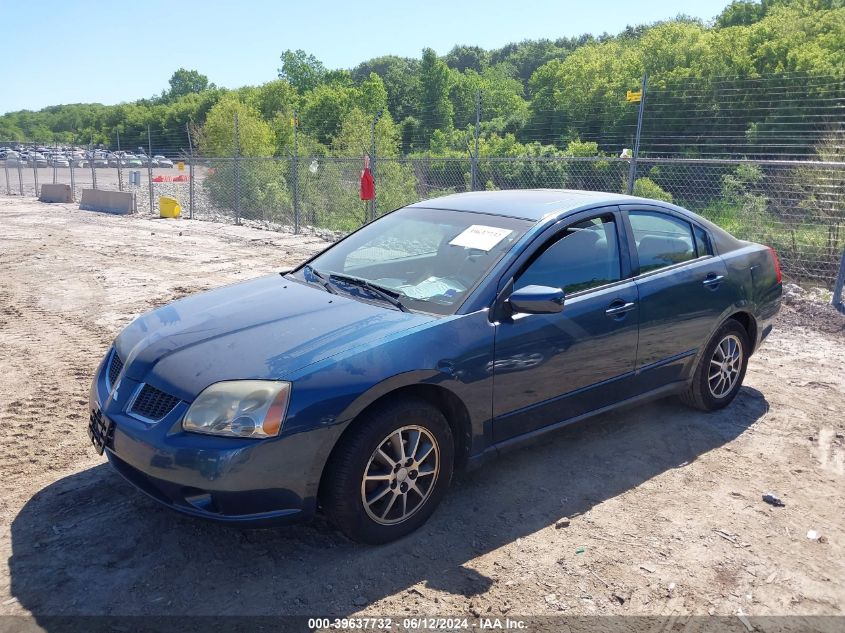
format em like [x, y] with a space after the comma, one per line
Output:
[430, 339]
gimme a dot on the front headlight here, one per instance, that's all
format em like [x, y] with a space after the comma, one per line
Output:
[239, 408]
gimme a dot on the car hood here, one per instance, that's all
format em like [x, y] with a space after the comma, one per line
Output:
[260, 329]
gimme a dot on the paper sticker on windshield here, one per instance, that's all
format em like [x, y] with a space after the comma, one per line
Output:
[481, 237]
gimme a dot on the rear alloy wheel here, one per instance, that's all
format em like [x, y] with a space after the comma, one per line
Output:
[389, 471]
[725, 365]
[721, 369]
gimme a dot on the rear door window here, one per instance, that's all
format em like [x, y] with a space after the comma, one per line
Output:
[702, 241]
[662, 240]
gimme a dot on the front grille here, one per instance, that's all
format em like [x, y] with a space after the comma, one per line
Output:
[153, 404]
[115, 367]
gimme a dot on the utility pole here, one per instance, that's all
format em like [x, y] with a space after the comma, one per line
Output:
[632, 172]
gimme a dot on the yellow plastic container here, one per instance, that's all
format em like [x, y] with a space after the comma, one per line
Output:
[169, 207]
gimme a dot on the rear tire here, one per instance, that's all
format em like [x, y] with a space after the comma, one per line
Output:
[720, 370]
[389, 472]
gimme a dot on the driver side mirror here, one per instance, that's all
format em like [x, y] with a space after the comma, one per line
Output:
[536, 300]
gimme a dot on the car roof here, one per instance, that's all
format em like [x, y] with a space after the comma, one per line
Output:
[528, 204]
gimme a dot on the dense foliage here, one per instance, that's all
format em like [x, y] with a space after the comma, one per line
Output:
[549, 92]
[764, 80]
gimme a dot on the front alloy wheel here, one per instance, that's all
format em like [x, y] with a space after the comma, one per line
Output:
[389, 471]
[400, 475]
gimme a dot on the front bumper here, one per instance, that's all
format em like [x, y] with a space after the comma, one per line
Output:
[230, 480]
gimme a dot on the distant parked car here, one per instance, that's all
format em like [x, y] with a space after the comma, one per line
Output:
[57, 160]
[161, 161]
[130, 160]
[429, 339]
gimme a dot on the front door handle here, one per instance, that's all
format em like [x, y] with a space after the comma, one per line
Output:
[713, 280]
[620, 307]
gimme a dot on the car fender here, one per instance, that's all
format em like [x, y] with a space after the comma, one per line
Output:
[739, 306]
[331, 434]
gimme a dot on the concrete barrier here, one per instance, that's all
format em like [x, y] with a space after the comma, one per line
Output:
[55, 193]
[120, 202]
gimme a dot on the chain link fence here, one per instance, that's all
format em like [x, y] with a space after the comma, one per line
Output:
[762, 157]
[798, 207]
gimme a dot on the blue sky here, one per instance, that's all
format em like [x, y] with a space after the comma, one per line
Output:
[70, 51]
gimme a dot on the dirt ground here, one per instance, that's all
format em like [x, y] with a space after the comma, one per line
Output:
[664, 503]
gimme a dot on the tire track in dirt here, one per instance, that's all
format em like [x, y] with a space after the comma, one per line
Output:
[71, 281]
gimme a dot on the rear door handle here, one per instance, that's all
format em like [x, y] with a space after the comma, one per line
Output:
[713, 280]
[619, 307]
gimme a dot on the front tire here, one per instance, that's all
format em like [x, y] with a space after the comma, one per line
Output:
[720, 370]
[389, 472]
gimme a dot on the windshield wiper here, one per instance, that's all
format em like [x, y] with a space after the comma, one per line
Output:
[321, 278]
[387, 295]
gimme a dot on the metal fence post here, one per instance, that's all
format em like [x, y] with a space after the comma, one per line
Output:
[92, 165]
[119, 166]
[34, 171]
[150, 166]
[237, 172]
[190, 173]
[6, 170]
[473, 161]
[838, 301]
[632, 172]
[55, 167]
[373, 205]
[72, 179]
[20, 177]
[295, 174]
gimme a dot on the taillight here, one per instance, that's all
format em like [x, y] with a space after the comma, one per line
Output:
[776, 262]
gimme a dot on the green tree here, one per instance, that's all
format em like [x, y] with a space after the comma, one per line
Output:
[303, 71]
[373, 95]
[324, 109]
[401, 81]
[462, 58]
[434, 93]
[501, 98]
[217, 136]
[184, 82]
[334, 202]
[740, 13]
[277, 101]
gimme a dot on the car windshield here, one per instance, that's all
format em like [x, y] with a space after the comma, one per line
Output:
[428, 259]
